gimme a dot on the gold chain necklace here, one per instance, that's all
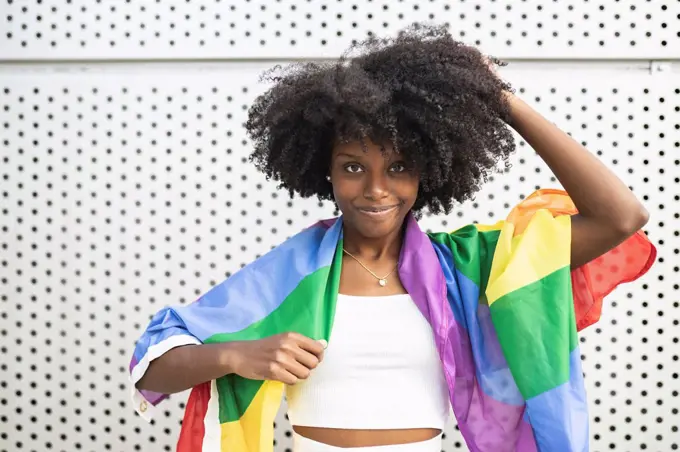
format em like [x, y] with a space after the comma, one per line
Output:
[382, 281]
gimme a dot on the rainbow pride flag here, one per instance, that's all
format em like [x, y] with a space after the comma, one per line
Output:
[504, 307]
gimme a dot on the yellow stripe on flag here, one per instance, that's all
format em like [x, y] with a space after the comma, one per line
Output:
[254, 432]
[543, 247]
[489, 227]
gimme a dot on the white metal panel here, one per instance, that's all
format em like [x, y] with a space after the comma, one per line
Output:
[123, 190]
[209, 29]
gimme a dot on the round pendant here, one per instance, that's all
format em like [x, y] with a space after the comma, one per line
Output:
[382, 282]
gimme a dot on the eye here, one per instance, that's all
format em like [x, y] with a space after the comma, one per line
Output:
[398, 168]
[353, 168]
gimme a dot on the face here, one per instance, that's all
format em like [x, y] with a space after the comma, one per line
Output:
[375, 190]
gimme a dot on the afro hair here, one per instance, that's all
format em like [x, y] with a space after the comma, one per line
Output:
[437, 101]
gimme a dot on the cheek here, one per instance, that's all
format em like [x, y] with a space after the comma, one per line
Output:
[343, 192]
[408, 190]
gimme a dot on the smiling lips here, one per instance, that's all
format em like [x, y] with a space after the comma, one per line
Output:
[378, 211]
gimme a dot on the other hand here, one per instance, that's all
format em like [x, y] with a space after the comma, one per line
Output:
[287, 357]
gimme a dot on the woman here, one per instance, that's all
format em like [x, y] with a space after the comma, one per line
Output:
[483, 319]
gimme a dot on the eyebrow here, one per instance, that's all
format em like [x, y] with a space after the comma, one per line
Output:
[353, 156]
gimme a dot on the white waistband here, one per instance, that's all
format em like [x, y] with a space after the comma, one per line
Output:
[303, 444]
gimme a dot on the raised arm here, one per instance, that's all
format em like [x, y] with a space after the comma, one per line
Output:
[609, 213]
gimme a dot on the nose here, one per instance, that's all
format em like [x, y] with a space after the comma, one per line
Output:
[376, 186]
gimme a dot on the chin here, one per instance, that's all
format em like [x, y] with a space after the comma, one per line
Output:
[375, 231]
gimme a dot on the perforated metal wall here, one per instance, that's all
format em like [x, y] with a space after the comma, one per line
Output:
[106, 29]
[124, 192]
[124, 187]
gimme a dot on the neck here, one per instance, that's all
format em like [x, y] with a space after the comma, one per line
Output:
[369, 248]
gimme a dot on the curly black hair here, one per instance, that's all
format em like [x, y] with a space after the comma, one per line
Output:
[437, 101]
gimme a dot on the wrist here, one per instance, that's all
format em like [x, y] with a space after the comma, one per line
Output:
[517, 109]
[511, 99]
[229, 357]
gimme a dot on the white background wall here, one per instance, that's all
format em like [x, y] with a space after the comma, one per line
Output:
[123, 185]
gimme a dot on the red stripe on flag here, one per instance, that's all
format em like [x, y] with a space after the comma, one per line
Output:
[595, 280]
[193, 428]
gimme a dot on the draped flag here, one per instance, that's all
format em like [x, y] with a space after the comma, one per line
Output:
[502, 300]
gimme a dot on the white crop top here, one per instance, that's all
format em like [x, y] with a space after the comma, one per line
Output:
[381, 370]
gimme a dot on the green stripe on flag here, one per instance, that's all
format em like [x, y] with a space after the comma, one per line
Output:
[472, 252]
[308, 310]
[537, 330]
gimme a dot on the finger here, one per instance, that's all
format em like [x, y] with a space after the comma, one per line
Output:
[309, 360]
[284, 376]
[310, 345]
[297, 369]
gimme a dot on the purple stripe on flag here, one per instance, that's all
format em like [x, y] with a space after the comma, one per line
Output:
[133, 362]
[153, 397]
[486, 424]
[526, 441]
[491, 368]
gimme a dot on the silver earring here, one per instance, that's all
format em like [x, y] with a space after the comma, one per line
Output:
[328, 178]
